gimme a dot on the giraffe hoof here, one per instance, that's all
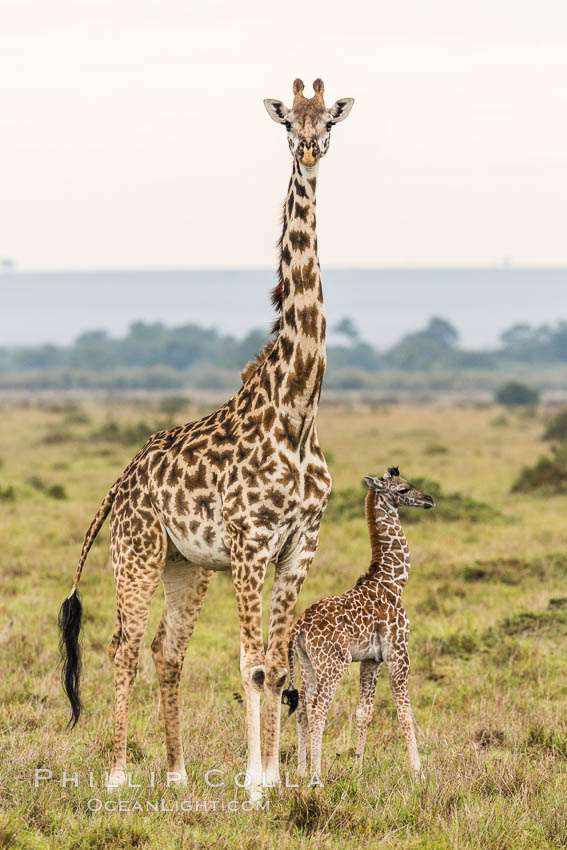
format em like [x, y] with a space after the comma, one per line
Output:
[255, 795]
[257, 676]
[116, 778]
[271, 779]
[177, 778]
[280, 681]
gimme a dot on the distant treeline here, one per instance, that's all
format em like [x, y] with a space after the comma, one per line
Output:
[153, 356]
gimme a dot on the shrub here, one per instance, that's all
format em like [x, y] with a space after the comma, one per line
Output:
[345, 504]
[56, 436]
[36, 482]
[547, 740]
[112, 432]
[500, 422]
[557, 428]
[75, 415]
[172, 405]
[436, 449]
[514, 394]
[534, 621]
[473, 574]
[451, 507]
[7, 494]
[549, 473]
[213, 378]
[348, 379]
[53, 491]
[56, 491]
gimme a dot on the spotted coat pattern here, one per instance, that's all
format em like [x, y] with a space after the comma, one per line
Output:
[236, 490]
[366, 624]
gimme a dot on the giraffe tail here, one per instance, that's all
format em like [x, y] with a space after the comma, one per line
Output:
[70, 616]
[290, 696]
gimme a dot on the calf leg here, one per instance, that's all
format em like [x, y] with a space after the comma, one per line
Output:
[369, 671]
[308, 683]
[329, 674]
[398, 671]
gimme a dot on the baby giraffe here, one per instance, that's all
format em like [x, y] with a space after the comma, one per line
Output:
[366, 624]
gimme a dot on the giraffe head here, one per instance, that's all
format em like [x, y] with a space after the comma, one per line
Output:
[397, 491]
[309, 123]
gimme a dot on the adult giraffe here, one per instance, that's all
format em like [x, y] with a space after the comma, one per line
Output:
[236, 490]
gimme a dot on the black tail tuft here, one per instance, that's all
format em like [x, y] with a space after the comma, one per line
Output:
[291, 698]
[69, 647]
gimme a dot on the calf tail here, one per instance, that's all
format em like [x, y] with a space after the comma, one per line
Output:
[290, 696]
[70, 616]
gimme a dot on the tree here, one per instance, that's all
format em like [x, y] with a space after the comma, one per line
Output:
[346, 327]
[557, 428]
[517, 337]
[559, 342]
[442, 331]
[90, 337]
[514, 394]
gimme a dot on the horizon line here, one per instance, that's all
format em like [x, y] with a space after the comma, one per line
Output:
[17, 272]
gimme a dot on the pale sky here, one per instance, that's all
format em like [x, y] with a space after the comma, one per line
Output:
[133, 134]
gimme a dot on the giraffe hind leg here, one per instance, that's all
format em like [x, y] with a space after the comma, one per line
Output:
[115, 642]
[249, 562]
[288, 579]
[136, 578]
[185, 587]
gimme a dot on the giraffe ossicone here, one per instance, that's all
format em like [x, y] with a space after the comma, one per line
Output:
[366, 624]
[236, 490]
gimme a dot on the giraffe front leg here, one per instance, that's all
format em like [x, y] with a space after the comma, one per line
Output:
[369, 671]
[249, 563]
[288, 581]
[397, 663]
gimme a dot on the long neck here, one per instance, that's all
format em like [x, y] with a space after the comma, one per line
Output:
[390, 551]
[299, 354]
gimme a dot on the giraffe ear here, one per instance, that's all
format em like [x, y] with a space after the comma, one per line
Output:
[277, 110]
[373, 483]
[341, 108]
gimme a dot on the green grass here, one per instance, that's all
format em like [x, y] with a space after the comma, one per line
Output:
[486, 600]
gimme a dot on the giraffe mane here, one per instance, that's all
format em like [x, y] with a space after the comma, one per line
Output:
[253, 365]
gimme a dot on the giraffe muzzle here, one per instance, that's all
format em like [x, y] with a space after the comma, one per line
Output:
[308, 152]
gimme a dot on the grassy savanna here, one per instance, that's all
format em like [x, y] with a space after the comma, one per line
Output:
[486, 598]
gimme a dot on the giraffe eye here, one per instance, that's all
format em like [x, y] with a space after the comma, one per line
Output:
[288, 125]
[404, 490]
